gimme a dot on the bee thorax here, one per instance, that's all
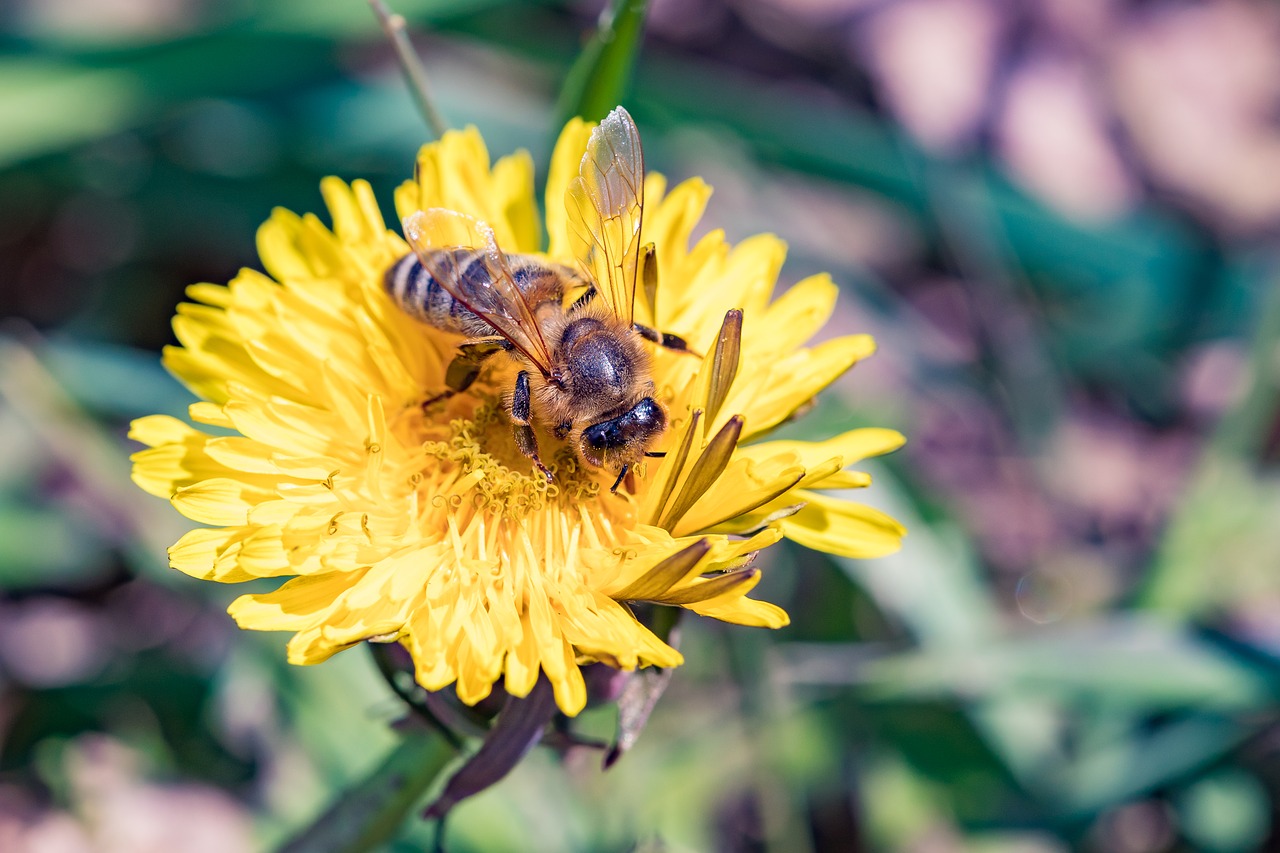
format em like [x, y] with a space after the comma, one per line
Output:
[603, 366]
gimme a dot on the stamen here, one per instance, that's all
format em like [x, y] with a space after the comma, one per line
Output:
[587, 522]
[465, 482]
[455, 538]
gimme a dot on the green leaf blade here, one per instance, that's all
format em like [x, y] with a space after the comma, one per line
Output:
[601, 75]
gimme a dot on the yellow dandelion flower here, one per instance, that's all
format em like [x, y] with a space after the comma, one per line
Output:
[427, 526]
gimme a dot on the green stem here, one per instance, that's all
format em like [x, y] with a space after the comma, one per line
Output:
[1242, 432]
[409, 692]
[781, 805]
[368, 815]
[1177, 583]
[414, 74]
[601, 75]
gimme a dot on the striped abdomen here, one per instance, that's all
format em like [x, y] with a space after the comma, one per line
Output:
[417, 292]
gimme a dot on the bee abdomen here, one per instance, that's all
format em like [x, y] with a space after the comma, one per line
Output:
[421, 296]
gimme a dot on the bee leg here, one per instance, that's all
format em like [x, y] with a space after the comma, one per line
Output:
[459, 376]
[465, 367]
[528, 444]
[525, 438]
[613, 490]
[666, 340]
[461, 372]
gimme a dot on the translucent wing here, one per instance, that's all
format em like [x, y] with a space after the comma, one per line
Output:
[605, 204]
[462, 255]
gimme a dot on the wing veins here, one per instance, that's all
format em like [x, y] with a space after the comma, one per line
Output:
[607, 199]
[498, 301]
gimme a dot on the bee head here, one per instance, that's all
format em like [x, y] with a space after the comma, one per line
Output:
[623, 439]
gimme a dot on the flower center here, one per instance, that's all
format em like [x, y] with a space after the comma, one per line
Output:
[469, 457]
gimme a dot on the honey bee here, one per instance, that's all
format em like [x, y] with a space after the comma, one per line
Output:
[584, 366]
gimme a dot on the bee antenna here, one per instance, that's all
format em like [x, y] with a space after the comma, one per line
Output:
[655, 454]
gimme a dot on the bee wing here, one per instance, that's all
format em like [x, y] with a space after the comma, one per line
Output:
[606, 204]
[461, 254]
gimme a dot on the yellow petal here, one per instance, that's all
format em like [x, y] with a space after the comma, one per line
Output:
[842, 527]
[278, 249]
[845, 449]
[745, 280]
[210, 294]
[296, 605]
[155, 430]
[852, 446]
[744, 486]
[310, 646]
[669, 223]
[795, 380]
[205, 412]
[798, 314]
[744, 611]
[565, 161]
[196, 554]
[220, 500]
[513, 178]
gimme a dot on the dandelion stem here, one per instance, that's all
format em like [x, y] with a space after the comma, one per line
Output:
[414, 74]
[764, 721]
[370, 813]
[391, 672]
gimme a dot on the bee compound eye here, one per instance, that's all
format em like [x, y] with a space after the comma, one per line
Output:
[648, 413]
[597, 435]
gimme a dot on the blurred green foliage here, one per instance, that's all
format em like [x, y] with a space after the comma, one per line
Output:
[935, 697]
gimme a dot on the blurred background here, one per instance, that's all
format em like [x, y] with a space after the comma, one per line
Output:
[1059, 219]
